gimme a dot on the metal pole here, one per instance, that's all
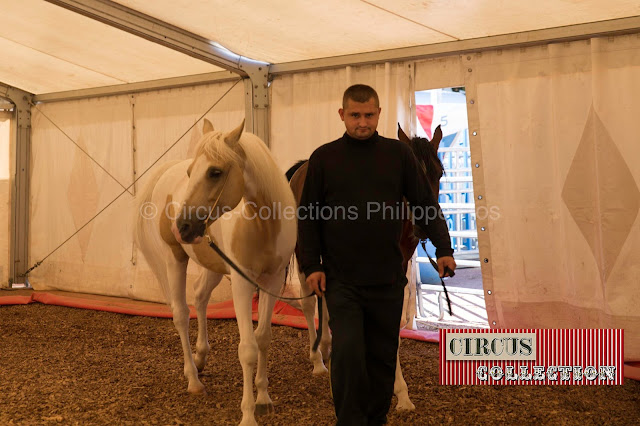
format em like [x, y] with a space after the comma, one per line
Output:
[257, 87]
[19, 239]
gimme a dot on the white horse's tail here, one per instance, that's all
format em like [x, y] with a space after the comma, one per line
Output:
[146, 234]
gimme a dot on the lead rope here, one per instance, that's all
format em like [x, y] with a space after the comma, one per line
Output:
[446, 271]
[231, 263]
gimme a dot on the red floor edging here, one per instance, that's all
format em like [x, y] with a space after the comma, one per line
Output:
[15, 300]
[284, 314]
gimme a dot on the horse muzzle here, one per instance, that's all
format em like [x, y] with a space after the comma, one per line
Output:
[188, 232]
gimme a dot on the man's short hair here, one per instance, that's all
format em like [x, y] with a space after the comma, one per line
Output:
[360, 93]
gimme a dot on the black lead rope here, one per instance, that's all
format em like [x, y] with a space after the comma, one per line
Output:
[319, 333]
[446, 271]
[243, 275]
[231, 263]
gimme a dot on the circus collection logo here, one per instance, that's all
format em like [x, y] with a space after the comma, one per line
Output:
[531, 356]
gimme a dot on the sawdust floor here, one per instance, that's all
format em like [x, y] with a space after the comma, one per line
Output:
[72, 366]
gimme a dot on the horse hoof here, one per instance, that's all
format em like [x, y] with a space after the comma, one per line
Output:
[197, 389]
[264, 409]
[405, 406]
[320, 370]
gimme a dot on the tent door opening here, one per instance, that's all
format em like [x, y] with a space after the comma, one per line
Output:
[447, 107]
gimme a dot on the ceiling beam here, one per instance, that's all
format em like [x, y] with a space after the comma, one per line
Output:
[144, 86]
[159, 32]
[5, 104]
[523, 39]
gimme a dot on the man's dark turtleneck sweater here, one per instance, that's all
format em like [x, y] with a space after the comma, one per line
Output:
[356, 188]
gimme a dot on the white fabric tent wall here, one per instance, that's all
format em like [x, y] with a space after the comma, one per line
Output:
[68, 189]
[556, 146]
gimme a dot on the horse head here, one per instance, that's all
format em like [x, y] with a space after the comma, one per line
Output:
[216, 183]
[426, 152]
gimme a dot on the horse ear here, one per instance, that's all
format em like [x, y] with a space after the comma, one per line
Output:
[437, 138]
[402, 135]
[207, 127]
[234, 136]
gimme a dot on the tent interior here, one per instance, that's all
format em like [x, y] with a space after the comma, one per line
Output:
[97, 93]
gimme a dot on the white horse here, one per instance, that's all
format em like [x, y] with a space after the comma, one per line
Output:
[227, 193]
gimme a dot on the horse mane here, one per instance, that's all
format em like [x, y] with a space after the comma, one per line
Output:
[213, 146]
[426, 154]
[293, 169]
[263, 172]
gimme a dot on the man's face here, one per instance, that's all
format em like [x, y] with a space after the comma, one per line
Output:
[360, 118]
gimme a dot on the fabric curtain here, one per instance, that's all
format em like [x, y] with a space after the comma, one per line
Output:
[554, 136]
[85, 154]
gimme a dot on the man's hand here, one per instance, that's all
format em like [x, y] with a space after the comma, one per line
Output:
[318, 282]
[444, 262]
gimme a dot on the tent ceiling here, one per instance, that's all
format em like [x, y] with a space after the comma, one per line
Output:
[283, 31]
[47, 48]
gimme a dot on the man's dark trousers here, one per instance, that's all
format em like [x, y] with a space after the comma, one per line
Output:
[365, 324]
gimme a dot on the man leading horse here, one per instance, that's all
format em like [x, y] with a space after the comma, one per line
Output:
[355, 260]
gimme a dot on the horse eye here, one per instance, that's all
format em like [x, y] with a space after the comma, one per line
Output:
[213, 173]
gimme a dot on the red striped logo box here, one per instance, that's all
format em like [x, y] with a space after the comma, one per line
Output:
[532, 357]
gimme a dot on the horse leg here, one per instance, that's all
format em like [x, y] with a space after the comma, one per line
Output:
[409, 308]
[177, 277]
[204, 285]
[264, 405]
[400, 388]
[309, 310]
[242, 292]
[325, 340]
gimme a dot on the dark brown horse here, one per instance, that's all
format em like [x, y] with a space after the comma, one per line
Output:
[426, 153]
